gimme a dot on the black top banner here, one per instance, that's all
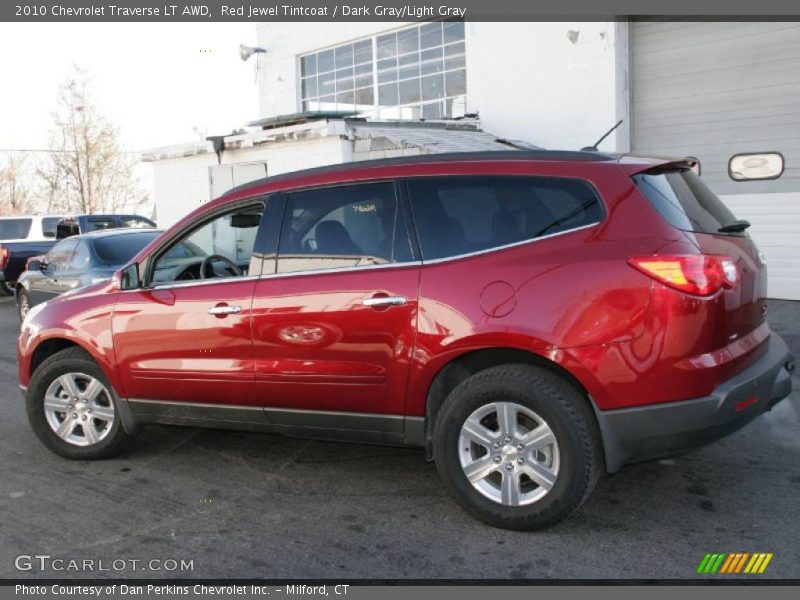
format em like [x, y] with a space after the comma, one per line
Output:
[388, 10]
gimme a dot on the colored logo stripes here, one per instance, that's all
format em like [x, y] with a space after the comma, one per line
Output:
[734, 563]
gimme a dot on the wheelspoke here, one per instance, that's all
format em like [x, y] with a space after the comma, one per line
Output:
[56, 403]
[475, 432]
[538, 438]
[540, 475]
[66, 428]
[89, 432]
[69, 385]
[480, 469]
[507, 418]
[103, 413]
[93, 390]
[510, 490]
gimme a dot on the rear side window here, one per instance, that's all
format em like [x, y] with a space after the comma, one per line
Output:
[684, 200]
[14, 229]
[98, 224]
[49, 225]
[461, 215]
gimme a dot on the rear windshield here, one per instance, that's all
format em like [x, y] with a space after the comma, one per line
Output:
[684, 200]
[15, 229]
[119, 249]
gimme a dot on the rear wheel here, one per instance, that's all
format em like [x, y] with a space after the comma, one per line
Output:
[73, 409]
[6, 288]
[23, 304]
[517, 447]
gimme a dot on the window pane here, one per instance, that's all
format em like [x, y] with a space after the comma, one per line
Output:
[362, 52]
[430, 35]
[458, 62]
[408, 59]
[343, 85]
[339, 227]
[363, 81]
[345, 100]
[432, 87]
[468, 214]
[327, 103]
[408, 40]
[344, 56]
[456, 82]
[432, 111]
[363, 69]
[308, 65]
[432, 54]
[387, 45]
[430, 68]
[409, 91]
[387, 76]
[325, 61]
[408, 72]
[325, 83]
[454, 49]
[309, 87]
[365, 96]
[15, 229]
[453, 32]
[387, 94]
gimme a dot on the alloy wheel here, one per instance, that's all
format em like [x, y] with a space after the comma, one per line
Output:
[79, 409]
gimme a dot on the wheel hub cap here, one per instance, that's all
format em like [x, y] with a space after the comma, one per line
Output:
[79, 409]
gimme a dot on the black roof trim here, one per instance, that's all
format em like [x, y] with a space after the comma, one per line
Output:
[491, 155]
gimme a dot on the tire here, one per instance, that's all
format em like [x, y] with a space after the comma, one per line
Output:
[6, 288]
[23, 304]
[106, 439]
[523, 487]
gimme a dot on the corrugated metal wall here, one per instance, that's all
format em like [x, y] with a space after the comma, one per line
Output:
[712, 90]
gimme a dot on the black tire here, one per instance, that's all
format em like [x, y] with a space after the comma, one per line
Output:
[72, 360]
[567, 414]
[23, 300]
[6, 288]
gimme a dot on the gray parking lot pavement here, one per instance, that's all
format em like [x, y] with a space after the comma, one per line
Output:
[259, 506]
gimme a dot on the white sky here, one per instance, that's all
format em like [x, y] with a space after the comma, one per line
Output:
[154, 81]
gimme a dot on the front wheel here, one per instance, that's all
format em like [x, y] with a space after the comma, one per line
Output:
[73, 409]
[517, 447]
[23, 304]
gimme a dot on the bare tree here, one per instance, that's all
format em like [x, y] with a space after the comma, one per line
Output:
[14, 186]
[86, 171]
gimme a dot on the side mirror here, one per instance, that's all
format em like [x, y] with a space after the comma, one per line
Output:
[35, 265]
[127, 278]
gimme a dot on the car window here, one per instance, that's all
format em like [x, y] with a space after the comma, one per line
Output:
[135, 223]
[15, 229]
[684, 200]
[49, 225]
[343, 226]
[65, 229]
[98, 224]
[461, 215]
[81, 258]
[60, 254]
[117, 250]
[229, 237]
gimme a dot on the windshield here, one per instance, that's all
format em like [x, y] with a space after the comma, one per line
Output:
[684, 200]
[119, 249]
[15, 229]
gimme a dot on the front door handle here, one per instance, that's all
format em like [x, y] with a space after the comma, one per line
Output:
[224, 309]
[384, 301]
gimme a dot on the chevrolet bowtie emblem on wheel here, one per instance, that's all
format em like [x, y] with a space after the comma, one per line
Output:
[737, 563]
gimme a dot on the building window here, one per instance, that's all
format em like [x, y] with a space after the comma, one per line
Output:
[414, 73]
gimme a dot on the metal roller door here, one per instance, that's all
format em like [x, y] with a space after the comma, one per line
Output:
[714, 90]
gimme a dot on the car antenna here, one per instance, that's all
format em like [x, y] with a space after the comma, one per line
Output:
[593, 148]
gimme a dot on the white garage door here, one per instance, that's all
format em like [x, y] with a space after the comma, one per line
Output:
[714, 90]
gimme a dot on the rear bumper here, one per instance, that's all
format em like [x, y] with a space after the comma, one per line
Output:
[639, 434]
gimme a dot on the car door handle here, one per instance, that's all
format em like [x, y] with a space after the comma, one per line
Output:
[384, 301]
[224, 309]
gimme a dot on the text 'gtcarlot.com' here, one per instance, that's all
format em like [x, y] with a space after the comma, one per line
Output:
[46, 562]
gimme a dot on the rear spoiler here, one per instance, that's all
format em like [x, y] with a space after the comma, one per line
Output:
[633, 165]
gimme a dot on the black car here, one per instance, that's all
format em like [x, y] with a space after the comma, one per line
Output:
[79, 261]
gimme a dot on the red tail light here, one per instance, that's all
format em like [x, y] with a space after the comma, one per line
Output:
[3, 257]
[698, 274]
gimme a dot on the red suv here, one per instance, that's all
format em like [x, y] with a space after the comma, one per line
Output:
[532, 319]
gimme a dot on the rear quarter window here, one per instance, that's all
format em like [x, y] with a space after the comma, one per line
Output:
[15, 229]
[462, 215]
[684, 200]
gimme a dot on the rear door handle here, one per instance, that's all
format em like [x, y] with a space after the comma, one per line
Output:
[384, 301]
[224, 310]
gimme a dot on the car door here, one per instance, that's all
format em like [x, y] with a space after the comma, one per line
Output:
[47, 286]
[186, 335]
[334, 327]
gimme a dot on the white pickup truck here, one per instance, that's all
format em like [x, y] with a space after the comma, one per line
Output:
[26, 236]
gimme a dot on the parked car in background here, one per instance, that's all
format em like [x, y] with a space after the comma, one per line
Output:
[532, 319]
[78, 224]
[78, 261]
[21, 237]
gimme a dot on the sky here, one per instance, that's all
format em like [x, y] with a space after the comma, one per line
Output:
[157, 82]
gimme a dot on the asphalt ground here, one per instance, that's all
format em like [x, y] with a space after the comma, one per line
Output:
[260, 506]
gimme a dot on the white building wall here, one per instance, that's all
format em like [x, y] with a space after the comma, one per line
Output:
[552, 84]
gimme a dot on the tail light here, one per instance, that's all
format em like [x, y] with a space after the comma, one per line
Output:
[3, 257]
[697, 274]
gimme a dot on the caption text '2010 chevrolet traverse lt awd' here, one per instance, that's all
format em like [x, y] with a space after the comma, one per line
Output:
[532, 319]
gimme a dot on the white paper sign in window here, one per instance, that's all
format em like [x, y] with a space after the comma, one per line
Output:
[762, 165]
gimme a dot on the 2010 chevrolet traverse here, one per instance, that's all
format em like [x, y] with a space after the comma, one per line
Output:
[532, 319]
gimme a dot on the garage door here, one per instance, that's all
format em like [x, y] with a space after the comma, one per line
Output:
[715, 90]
